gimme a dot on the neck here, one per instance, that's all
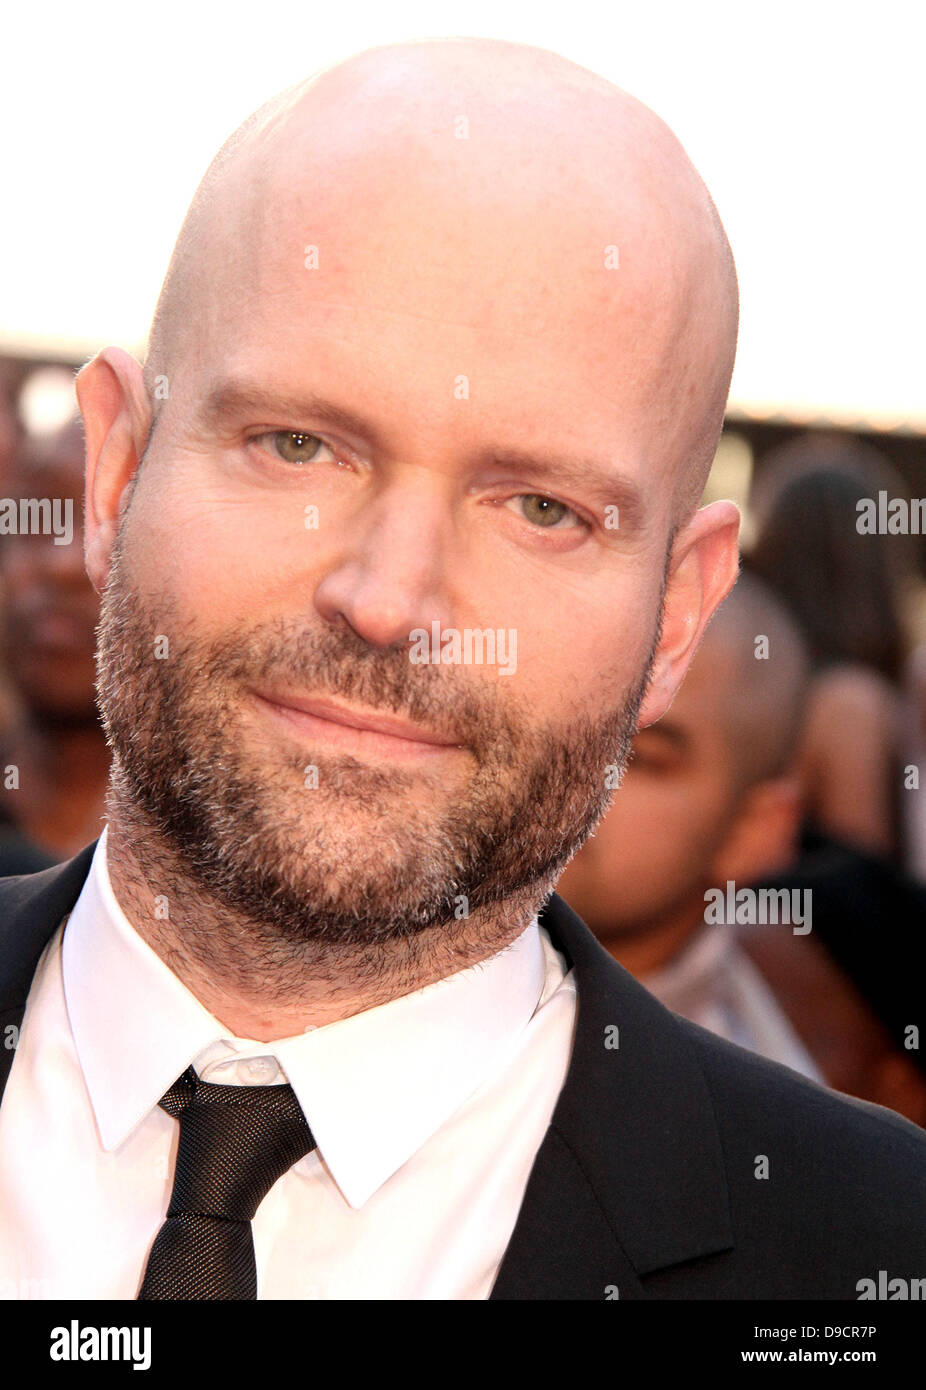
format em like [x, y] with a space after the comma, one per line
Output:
[63, 774]
[269, 994]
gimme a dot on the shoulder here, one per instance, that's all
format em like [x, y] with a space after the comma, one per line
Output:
[755, 1095]
[826, 1184]
[31, 908]
[18, 890]
[19, 856]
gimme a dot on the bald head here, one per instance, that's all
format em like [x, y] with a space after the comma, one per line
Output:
[481, 191]
[761, 683]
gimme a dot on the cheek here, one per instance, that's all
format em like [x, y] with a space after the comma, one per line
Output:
[229, 550]
[648, 832]
[224, 554]
[660, 834]
[581, 652]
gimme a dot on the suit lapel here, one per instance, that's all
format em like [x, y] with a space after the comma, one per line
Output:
[630, 1177]
[563, 1246]
[31, 909]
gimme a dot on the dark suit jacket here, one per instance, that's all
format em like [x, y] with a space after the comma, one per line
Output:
[649, 1180]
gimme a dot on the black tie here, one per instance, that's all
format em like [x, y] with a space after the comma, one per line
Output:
[235, 1143]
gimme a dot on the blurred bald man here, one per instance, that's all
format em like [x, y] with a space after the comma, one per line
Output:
[443, 350]
[55, 742]
[712, 797]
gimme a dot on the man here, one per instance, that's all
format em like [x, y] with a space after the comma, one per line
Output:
[443, 350]
[713, 799]
[710, 798]
[53, 754]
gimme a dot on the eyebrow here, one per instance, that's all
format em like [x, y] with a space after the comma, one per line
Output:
[231, 400]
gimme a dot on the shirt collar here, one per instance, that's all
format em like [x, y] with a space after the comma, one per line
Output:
[693, 978]
[373, 1087]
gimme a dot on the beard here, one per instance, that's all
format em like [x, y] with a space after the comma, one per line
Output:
[307, 843]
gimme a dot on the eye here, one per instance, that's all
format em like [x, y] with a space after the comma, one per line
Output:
[545, 512]
[292, 446]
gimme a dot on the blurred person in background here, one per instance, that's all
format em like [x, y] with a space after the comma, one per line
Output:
[913, 758]
[854, 989]
[709, 797]
[847, 591]
[10, 424]
[10, 440]
[713, 796]
[54, 762]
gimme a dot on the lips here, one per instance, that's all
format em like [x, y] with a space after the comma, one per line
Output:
[386, 726]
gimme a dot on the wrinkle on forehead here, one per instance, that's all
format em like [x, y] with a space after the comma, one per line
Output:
[511, 221]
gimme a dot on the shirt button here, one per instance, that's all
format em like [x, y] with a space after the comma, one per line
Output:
[260, 1070]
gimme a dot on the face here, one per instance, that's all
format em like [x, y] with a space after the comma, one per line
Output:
[50, 609]
[652, 856]
[421, 433]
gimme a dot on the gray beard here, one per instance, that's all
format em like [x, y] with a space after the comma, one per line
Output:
[243, 832]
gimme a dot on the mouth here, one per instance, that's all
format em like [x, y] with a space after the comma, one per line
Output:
[383, 735]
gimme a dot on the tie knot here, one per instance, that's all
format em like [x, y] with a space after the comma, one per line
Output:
[235, 1143]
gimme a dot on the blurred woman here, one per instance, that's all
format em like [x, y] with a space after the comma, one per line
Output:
[848, 592]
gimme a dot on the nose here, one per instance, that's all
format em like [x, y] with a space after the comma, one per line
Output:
[391, 573]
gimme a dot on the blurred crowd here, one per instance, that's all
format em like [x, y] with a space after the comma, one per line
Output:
[789, 761]
[788, 766]
[54, 762]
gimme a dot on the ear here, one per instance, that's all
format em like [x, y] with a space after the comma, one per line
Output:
[763, 838]
[117, 421]
[702, 571]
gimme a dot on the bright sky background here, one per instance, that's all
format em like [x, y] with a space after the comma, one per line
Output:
[806, 118]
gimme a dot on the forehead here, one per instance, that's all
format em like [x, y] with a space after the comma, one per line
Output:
[465, 265]
[541, 313]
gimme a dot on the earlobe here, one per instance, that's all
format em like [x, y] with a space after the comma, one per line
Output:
[117, 421]
[703, 570]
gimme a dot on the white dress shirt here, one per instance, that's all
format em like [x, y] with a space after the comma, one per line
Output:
[427, 1111]
[713, 983]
